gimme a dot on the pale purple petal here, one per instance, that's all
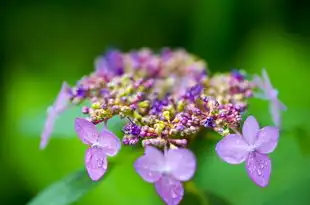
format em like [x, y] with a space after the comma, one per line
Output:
[260, 96]
[96, 163]
[101, 66]
[250, 129]
[109, 142]
[267, 83]
[181, 163]
[62, 99]
[232, 149]
[258, 82]
[267, 139]
[258, 167]
[282, 106]
[275, 112]
[150, 166]
[170, 190]
[60, 105]
[48, 129]
[86, 131]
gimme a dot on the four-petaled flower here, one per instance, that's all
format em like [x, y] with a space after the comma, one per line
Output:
[271, 94]
[57, 108]
[252, 147]
[101, 145]
[167, 171]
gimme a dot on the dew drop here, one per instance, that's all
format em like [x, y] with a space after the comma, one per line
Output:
[259, 172]
[99, 163]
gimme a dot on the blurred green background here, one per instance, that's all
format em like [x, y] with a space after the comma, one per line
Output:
[46, 42]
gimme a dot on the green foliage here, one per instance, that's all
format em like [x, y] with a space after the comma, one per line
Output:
[65, 191]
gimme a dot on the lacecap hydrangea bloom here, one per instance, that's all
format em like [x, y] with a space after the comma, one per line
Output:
[166, 99]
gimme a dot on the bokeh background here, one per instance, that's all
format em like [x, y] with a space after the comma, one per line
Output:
[43, 43]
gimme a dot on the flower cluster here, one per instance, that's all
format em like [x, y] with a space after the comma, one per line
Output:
[166, 99]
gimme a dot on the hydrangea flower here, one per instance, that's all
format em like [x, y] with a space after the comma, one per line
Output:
[271, 94]
[166, 99]
[53, 111]
[167, 171]
[252, 147]
[101, 145]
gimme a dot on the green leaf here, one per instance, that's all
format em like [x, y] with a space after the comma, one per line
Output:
[66, 191]
[215, 199]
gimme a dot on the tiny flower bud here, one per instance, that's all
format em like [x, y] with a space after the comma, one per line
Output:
[166, 115]
[95, 105]
[144, 104]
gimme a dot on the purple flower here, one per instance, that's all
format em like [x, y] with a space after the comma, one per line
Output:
[271, 94]
[110, 64]
[57, 108]
[252, 147]
[237, 75]
[101, 145]
[194, 92]
[210, 122]
[167, 171]
[132, 129]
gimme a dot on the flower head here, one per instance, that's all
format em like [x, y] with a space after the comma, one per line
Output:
[101, 145]
[271, 94]
[167, 99]
[57, 108]
[252, 147]
[167, 171]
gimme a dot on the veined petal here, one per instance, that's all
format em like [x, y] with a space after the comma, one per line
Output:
[62, 99]
[267, 139]
[101, 66]
[60, 105]
[86, 131]
[48, 129]
[232, 149]
[109, 142]
[170, 190]
[250, 129]
[96, 163]
[275, 112]
[151, 165]
[257, 80]
[258, 167]
[181, 163]
[260, 96]
[282, 106]
[267, 83]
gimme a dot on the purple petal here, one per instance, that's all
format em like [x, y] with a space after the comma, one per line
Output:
[101, 66]
[86, 131]
[258, 82]
[109, 142]
[170, 190]
[275, 112]
[150, 166]
[181, 163]
[232, 149]
[250, 129]
[282, 106]
[60, 105]
[62, 100]
[96, 163]
[259, 168]
[261, 96]
[267, 139]
[267, 83]
[48, 129]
